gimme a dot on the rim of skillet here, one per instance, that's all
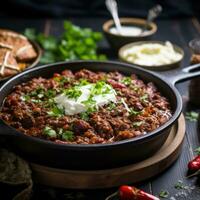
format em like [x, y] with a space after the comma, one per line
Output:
[137, 139]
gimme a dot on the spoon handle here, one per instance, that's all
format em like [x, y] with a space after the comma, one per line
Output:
[112, 7]
[152, 14]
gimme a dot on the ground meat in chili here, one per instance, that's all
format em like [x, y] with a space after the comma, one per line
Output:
[140, 109]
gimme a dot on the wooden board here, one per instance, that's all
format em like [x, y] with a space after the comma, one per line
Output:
[114, 177]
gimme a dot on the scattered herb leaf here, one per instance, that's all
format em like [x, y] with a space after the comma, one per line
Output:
[144, 98]
[126, 80]
[49, 132]
[192, 116]
[62, 80]
[137, 124]
[163, 194]
[84, 116]
[68, 135]
[134, 112]
[111, 106]
[92, 108]
[90, 103]
[82, 82]
[25, 97]
[55, 112]
[36, 100]
[50, 93]
[179, 185]
[197, 150]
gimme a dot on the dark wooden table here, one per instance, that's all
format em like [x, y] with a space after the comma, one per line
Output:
[178, 31]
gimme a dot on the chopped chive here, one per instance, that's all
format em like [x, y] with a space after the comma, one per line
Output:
[73, 93]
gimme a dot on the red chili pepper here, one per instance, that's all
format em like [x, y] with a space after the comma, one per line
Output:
[131, 193]
[126, 192]
[194, 164]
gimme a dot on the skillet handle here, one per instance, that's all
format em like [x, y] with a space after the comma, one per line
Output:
[177, 75]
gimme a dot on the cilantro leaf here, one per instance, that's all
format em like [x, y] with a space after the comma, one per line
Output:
[134, 112]
[68, 135]
[55, 112]
[163, 194]
[197, 150]
[126, 80]
[137, 124]
[49, 132]
[84, 116]
[144, 98]
[179, 185]
[111, 106]
[192, 116]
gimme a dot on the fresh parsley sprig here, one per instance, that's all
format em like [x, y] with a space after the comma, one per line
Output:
[62, 134]
[55, 111]
[192, 116]
[75, 43]
[164, 194]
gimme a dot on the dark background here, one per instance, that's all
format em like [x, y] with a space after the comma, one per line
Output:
[95, 8]
[20, 14]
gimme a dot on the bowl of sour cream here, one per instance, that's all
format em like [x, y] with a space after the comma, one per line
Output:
[132, 30]
[153, 55]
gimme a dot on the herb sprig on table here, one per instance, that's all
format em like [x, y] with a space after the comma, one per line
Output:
[75, 43]
[164, 194]
[192, 116]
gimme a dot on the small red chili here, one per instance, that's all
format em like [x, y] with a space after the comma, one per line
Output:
[194, 164]
[126, 192]
[131, 193]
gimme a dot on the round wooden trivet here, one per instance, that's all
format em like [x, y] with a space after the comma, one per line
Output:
[114, 177]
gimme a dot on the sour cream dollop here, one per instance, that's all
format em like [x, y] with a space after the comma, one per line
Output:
[90, 95]
[127, 31]
[152, 54]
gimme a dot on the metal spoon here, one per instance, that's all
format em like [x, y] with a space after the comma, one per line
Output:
[112, 8]
[152, 15]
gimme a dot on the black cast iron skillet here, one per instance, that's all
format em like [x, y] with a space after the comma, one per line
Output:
[96, 156]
